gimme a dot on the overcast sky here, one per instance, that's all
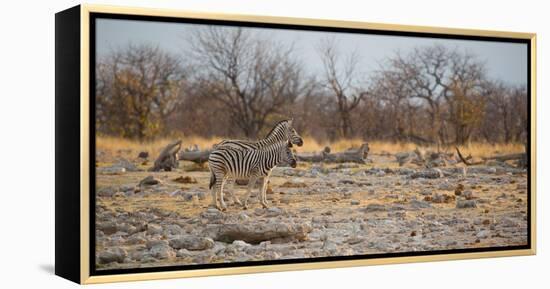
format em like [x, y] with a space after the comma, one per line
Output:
[504, 61]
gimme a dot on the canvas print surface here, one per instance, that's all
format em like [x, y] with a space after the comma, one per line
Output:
[225, 144]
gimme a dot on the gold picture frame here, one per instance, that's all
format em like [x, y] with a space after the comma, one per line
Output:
[80, 16]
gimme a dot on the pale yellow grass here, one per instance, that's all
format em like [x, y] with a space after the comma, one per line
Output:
[118, 145]
[476, 149]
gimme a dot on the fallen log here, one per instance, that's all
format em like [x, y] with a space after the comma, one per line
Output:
[198, 157]
[167, 159]
[507, 157]
[350, 156]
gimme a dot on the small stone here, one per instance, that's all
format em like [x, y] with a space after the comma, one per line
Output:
[136, 240]
[468, 195]
[426, 193]
[152, 243]
[428, 174]
[212, 214]
[482, 234]
[149, 181]
[420, 204]
[112, 255]
[443, 198]
[462, 204]
[143, 155]
[240, 244]
[354, 202]
[413, 233]
[191, 243]
[185, 180]
[380, 174]
[374, 208]
[274, 212]
[294, 184]
[153, 229]
[162, 251]
[106, 192]
[346, 182]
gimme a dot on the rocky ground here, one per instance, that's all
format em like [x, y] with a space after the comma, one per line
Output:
[146, 219]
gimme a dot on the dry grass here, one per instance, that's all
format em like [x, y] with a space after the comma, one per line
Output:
[116, 145]
[121, 146]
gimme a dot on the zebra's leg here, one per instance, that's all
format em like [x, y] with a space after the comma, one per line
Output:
[222, 202]
[249, 188]
[214, 190]
[233, 190]
[263, 193]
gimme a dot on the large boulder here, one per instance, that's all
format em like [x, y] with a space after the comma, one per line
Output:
[256, 232]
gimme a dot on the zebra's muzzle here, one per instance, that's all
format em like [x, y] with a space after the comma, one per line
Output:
[293, 163]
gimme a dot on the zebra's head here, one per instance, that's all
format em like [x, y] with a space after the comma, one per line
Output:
[289, 156]
[292, 135]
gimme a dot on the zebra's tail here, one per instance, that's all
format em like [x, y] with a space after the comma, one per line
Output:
[212, 180]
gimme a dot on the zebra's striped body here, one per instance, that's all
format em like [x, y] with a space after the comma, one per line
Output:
[238, 163]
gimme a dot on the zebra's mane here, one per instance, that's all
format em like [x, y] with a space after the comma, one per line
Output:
[276, 127]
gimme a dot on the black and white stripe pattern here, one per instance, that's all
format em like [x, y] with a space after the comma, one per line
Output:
[252, 164]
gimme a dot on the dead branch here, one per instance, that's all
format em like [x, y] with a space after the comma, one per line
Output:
[167, 159]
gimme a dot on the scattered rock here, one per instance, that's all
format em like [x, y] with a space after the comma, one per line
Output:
[426, 193]
[428, 174]
[110, 255]
[143, 155]
[354, 202]
[459, 189]
[346, 182]
[127, 165]
[153, 229]
[468, 195]
[415, 204]
[443, 198]
[374, 208]
[482, 234]
[150, 181]
[463, 204]
[185, 180]
[274, 212]
[294, 184]
[136, 240]
[111, 170]
[106, 192]
[162, 251]
[191, 243]
[256, 232]
[107, 227]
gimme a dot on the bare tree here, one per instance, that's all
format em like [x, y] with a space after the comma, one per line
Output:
[252, 77]
[341, 78]
[137, 88]
[448, 82]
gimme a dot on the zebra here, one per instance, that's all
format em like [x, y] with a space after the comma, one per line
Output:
[281, 132]
[251, 164]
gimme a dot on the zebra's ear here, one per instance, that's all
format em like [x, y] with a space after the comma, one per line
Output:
[289, 143]
[290, 121]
